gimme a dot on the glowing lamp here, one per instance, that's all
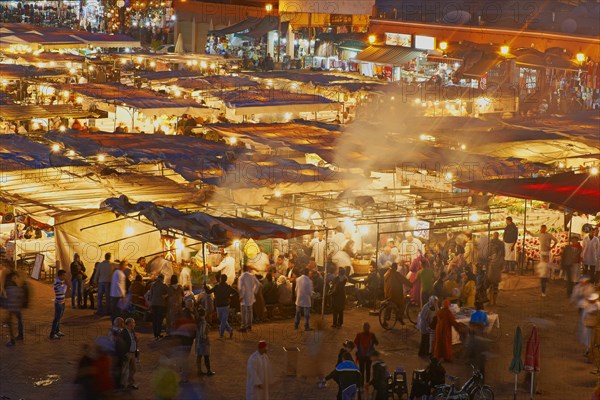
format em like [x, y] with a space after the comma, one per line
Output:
[443, 46]
[372, 39]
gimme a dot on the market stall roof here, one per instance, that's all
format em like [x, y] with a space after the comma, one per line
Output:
[202, 226]
[168, 75]
[20, 112]
[24, 152]
[353, 45]
[534, 58]
[258, 101]
[300, 136]
[304, 76]
[46, 57]
[575, 191]
[191, 157]
[389, 55]
[147, 101]
[215, 82]
[50, 190]
[59, 37]
[13, 71]
[241, 26]
[266, 25]
[105, 40]
[476, 70]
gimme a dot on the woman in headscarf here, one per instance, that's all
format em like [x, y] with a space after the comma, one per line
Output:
[424, 325]
[442, 348]
[416, 265]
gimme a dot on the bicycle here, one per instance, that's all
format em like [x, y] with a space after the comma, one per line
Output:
[473, 389]
[389, 313]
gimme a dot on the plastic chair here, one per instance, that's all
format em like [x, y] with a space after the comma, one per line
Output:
[400, 383]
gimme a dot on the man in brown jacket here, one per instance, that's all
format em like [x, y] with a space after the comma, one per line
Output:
[393, 282]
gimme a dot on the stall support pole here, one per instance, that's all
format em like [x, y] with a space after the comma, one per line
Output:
[205, 274]
[489, 233]
[16, 238]
[377, 246]
[324, 278]
[523, 252]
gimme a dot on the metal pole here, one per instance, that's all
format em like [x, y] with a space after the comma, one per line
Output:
[523, 253]
[205, 274]
[377, 246]
[324, 277]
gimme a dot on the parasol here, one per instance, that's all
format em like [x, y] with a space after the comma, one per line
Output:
[532, 356]
[516, 365]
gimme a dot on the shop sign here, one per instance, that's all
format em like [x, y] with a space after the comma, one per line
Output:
[424, 42]
[340, 19]
[398, 39]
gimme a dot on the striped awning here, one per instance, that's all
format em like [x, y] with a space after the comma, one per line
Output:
[389, 55]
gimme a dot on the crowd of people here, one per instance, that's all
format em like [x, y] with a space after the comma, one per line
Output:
[463, 272]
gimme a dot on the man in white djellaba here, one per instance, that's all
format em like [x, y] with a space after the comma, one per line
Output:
[258, 374]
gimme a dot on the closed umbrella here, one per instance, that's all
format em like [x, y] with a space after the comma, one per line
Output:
[532, 356]
[516, 365]
[179, 44]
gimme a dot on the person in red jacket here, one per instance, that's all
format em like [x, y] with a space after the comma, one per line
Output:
[365, 342]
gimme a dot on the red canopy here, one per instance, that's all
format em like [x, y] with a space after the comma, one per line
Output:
[579, 192]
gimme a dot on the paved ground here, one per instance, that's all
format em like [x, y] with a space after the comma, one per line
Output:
[39, 368]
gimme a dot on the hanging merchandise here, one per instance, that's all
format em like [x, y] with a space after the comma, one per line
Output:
[169, 247]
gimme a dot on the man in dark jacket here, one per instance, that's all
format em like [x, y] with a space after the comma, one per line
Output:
[347, 376]
[338, 298]
[127, 347]
[158, 302]
[509, 237]
[223, 293]
[570, 262]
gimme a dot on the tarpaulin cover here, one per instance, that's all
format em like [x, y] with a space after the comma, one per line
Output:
[146, 101]
[579, 192]
[478, 69]
[215, 82]
[17, 152]
[241, 26]
[266, 25]
[189, 156]
[300, 136]
[13, 71]
[202, 226]
[269, 97]
[305, 77]
[20, 112]
[168, 75]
